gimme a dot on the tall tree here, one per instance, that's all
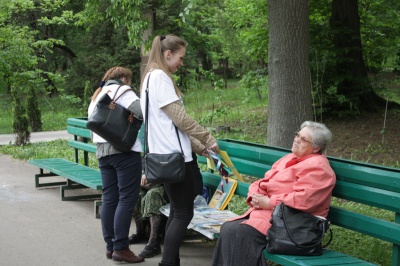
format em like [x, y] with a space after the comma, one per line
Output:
[350, 67]
[289, 80]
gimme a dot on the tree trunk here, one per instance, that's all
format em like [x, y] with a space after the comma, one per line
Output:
[144, 54]
[350, 66]
[289, 82]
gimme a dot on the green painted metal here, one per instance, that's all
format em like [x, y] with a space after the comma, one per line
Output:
[383, 199]
[73, 171]
[329, 257]
[81, 132]
[375, 227]
[82, 146]
[78, 122]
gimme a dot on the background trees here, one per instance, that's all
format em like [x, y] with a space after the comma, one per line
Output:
[56, 47]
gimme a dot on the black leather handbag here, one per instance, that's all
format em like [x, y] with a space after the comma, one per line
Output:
[294, 232]
[114, 123]
[162, 168]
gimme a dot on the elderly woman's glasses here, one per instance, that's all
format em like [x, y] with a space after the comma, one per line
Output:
[303, 139]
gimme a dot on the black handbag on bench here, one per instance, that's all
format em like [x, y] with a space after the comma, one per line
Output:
[294, 232]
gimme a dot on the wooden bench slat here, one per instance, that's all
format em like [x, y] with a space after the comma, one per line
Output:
[82, 146]
[254, 169]
[78, 122]
[373, 176]
[329, 257]
[380, 198]
[71, 170]
[85, 133]
[371, 226]
[251, 151]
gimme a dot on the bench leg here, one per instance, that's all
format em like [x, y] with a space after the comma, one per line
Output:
[73, 186]
[48, 184]
[97, 205]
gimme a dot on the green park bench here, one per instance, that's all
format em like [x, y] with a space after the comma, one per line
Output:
[372, 185]
[78, 174]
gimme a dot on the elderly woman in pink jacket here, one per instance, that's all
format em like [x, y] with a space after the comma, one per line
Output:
[302, 179]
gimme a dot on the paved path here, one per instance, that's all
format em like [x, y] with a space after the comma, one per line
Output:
[37, 137]
[38, 229]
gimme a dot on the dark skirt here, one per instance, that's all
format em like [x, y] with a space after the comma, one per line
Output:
[238, 245]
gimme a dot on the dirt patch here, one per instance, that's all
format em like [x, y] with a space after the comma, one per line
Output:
[365, 138]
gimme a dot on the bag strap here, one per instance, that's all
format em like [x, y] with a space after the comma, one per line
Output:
[115, 100]
[294, 241]
[146, 149]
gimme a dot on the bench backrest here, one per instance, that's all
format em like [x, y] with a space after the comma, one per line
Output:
[82, 137]
[369, 184]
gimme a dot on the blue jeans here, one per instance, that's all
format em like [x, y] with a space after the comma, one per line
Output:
[121, 174]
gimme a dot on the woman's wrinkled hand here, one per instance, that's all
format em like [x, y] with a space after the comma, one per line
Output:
[259, 201]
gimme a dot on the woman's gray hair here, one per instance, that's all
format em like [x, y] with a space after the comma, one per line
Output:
[321, 135]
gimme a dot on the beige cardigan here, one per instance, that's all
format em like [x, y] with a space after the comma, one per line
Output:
[199, 136]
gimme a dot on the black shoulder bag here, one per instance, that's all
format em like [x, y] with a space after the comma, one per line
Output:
[114, 123]
[294, 232]
[162, 168]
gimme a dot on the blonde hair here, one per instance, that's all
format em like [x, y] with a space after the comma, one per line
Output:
[156, 58]
[113, 73]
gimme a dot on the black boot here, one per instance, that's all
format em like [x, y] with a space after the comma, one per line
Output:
[140, 235]
[153, 247]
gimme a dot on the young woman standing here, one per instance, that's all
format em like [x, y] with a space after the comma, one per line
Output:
[165, 112]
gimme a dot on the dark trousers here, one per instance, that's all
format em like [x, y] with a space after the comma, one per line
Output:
[198, 178]
[181, 196]
[239, 244]
[121, 174]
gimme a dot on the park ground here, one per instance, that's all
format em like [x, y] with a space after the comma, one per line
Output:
[369, 138]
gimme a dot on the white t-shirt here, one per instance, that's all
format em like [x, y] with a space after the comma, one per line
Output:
[162, 136]
[127, 99]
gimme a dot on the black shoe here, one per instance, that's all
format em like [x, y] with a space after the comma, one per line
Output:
[134, 239]
[150, 251]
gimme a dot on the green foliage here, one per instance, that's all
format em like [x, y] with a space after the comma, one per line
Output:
[243, 29]
[54, 113]
[34, 114]
[238, 205]
[380, 33]
[97, 50]
[122, 13]
[255, 81]
[246, 116]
